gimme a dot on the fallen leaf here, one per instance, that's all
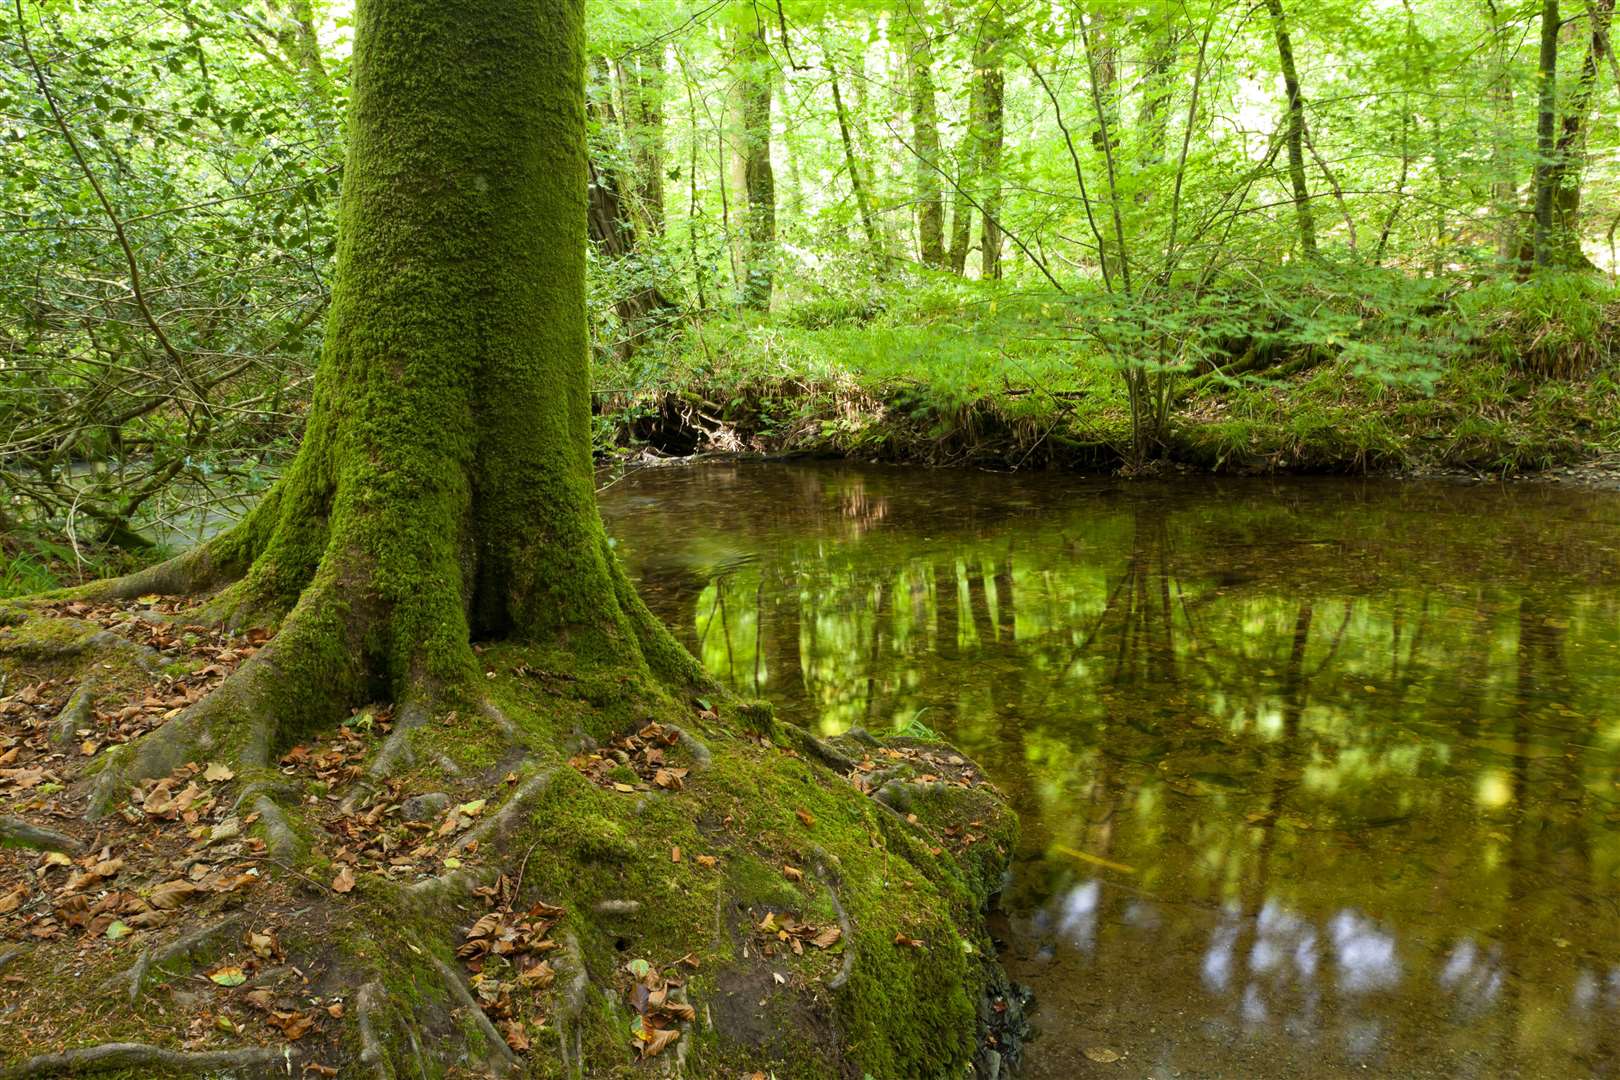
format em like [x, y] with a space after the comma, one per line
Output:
[706, 860]
[217, 772]
[674, 854]
[657, 1040]
[1102, 1054]
[171, 894]
[827, 938]
[915, 943]
[13, 900]
[516, 1036]
[293, 1025]
[792, 873]
[806, 817]
[344, 882]
[118, 929]
[229, 976]
[261, 944]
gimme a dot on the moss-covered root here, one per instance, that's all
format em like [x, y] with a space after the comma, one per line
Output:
[142, 1060]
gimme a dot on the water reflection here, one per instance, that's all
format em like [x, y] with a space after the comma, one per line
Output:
[1316, 778]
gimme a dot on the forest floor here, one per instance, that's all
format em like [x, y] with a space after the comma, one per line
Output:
[717, 930]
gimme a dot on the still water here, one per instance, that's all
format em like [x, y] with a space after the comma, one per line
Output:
[1318, 778]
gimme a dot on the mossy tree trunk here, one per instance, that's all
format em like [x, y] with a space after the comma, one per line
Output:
[443, 492]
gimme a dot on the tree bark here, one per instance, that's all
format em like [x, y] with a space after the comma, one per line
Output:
[641, 82]
[925, 135]
[863, 197]
[759, 181]
[989, 124]
[1295, 134]
[1569, 154]
[1541, 245]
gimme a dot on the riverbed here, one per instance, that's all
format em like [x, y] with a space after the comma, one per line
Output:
[1317, 777]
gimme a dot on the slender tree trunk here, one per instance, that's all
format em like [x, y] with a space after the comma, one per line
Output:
[1295, 135]
[990, 123]
[925, 136]
[759, 181]
[863, 197]
[1504, 173]
[613, 228]
[1541, 246]
[641, 83]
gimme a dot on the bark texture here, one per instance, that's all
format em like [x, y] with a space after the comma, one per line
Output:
[925, 135]
[1295, 132]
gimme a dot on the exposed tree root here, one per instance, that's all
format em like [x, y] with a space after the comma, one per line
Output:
[110, 1056]
[500, 1061]
[369, 1006]
[496, 828]
[192, 948]
[93, 639]
[15, 832]
[847, 967]
[571, 1005]
[76, 715]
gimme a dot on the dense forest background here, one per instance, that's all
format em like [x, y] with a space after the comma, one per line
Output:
[1283, 234]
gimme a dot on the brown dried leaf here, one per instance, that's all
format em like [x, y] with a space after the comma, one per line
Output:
[657, 1040]
[344, 882]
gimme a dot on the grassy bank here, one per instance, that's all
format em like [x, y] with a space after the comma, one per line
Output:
[1378, 374]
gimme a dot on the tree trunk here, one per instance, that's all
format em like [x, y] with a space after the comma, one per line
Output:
[1541, 244]
[989, 124]
[612, 228]
[863, 197]
[968, 155]
[1569, 155]
[758, 180]
[1295, 135]
[444, 490]
[925, 135]
[641, 82]
[1505, 182]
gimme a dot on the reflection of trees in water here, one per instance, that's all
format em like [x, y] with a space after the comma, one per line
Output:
[1375, 768]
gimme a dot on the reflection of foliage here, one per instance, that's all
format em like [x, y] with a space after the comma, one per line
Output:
[1209, 692]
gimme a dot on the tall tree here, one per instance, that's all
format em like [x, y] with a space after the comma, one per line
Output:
[1542, 240]
[852, 163]
[1294, 134]
[443, 491]
[990, 126]
[1569, 154]
[754, 78]
[641, 80]
[925, 136]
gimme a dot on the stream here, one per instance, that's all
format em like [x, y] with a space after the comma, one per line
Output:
[1317, 777]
